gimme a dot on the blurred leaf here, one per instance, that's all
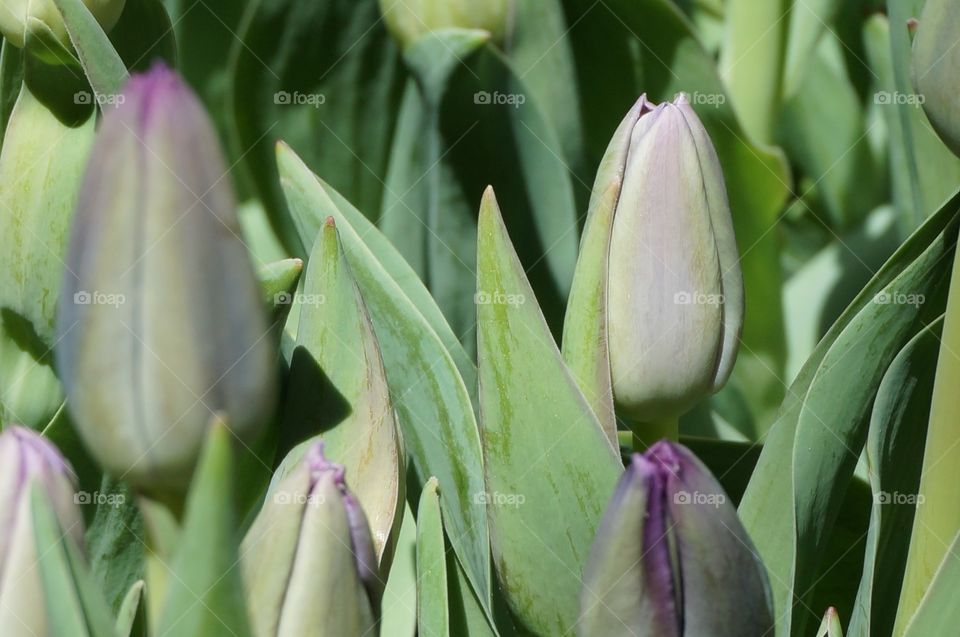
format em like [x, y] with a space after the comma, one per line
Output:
[131, 611]
[938, 511]
[474, 123]
[399, 617]
[338, 389]
[830, 626]
[326, 77]
[795, 493]
[934, 172]
[430, 396]
[278, 283]
[549, 467]
[204, 595]
[939, 613]
[72, 600]
[828, 138]
[432, 605]
[894, 457]
[103, 66]
[808, 21]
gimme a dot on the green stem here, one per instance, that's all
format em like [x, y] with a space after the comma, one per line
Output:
[647, 433]
[162, 530]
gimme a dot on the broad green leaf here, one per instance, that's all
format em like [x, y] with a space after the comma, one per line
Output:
[476, 123]
[326, 77]
[432, 401]
[375, 259]
[41, 164]
[894, 457]
[809, 455]
[72, 599]
[649, 47]
[938, 612]
[101, 62]
[337, 388]
[934, 172]
[432, 606]
[204, 595]
[938, 511]
[550, 469]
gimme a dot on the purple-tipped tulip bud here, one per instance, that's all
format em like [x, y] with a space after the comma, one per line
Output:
[161, 324]
[656, 308]
[308, 560]
[671, 558]
[29, 461]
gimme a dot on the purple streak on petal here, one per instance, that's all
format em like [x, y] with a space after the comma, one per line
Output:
[362, 544]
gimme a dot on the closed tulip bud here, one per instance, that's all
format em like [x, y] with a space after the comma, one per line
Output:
[935, 61]
[19, 16]
[662, 331]
[27, 462]
[308, 561]
[161, 324]
[408, 20]
[671, 558]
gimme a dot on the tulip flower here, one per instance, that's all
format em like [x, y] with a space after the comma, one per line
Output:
[19, 16]
[935, 61]
[408, 20]
[161, 324]
[657, 299]
[671, 558]
[308, 561]
[29, 461]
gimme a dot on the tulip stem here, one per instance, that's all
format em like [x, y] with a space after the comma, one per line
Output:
[646, 434]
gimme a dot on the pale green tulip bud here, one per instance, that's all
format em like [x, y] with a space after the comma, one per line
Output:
[936, 58]
[161, 323]
[308, 561]
[408, 20]
[659, 242]
[17, 17]
[671, 558]
[27, 462]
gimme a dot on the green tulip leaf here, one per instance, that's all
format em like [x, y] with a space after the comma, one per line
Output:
[104, 68]
[204, 593]
[430, 395]
[550, 469]
[432, 605]
[938, 612]
[131, 610]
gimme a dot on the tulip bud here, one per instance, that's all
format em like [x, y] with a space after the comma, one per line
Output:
[935, 61]
[19, 16]
[308, 561]
[160, 322]
[29, 461]
[659, 242]
[671, 558]
[408, 20]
